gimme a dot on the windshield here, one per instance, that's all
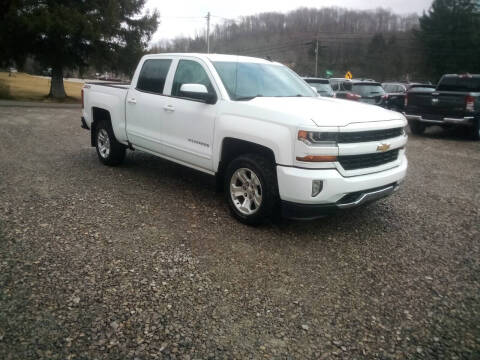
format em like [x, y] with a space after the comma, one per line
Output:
[322, 88]
[245, 81]
[368, 89]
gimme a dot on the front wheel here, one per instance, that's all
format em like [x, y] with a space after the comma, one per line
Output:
[416, 127]
[109, 150]
[251, 189]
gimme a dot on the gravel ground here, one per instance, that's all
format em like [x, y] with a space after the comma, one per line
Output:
[143, 261]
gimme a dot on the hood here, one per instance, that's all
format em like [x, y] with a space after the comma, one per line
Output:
[323, 111]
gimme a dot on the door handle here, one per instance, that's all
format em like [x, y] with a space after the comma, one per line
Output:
[132, 101]
[168, 108]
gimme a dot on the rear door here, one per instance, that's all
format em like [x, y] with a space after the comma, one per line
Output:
[145, 105]
[188, 124]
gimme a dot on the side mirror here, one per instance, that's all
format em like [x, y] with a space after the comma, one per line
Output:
[199, 92]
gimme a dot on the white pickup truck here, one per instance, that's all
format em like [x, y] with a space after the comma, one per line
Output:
[271, 142]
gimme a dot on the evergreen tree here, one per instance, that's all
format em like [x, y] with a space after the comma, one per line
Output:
[450, 36]
[69, 33]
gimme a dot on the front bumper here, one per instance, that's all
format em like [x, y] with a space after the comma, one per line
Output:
[466, 120]
[313, 211]
[338, 192]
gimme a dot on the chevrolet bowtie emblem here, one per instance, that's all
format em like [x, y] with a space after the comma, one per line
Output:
[383, 147]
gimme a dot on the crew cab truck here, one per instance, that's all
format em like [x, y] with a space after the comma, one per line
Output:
[454, 102]
[271, 142]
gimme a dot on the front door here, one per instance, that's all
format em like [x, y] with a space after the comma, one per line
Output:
[188, 123]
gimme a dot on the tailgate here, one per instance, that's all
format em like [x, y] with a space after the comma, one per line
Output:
[419, 103]
[436, 105]
[449, 103]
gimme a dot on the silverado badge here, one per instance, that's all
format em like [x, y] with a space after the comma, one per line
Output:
[383, 147]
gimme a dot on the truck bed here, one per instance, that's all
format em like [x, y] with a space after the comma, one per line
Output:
[119, 85]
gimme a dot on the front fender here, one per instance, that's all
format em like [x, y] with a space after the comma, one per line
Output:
[276, 137]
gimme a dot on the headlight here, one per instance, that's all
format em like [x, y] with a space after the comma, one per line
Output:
[318, 138]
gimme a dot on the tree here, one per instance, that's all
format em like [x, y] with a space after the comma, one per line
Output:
[71, 33]
[450, 37]
[346, 38]
[376, 56]
[13, 47]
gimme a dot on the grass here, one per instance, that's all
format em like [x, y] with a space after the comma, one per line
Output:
[26, 87]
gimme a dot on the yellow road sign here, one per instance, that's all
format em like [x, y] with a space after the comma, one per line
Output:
[348, 75]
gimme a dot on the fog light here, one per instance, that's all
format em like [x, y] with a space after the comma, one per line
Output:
[317, 186]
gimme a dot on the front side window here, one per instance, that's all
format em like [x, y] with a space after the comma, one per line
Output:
[153, 75]
[190, 72]
[247, 80]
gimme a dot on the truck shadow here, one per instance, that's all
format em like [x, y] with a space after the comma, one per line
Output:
[197, 189]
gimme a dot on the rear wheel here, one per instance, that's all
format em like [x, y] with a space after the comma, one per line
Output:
[416, 127]
[109, 150]
[251, 189]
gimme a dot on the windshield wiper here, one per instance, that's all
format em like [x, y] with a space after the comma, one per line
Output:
[246, 98]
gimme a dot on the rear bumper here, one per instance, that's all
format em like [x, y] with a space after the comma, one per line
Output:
[466, 120]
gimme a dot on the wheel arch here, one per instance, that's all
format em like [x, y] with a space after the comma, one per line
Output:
[232, 148]
[98, 115]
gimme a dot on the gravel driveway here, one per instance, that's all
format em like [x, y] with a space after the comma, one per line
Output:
[144, 261]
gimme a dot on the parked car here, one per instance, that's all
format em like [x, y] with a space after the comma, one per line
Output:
[396, 92]
[321, 85]
[454, 102]
[366, 91]
[271, 142]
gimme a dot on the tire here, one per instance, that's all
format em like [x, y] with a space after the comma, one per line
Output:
[254, 176]
[109, 150]
[476, 130]
[416, 127]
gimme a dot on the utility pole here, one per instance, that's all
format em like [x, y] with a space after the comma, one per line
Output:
[208, 32]
[316, 58]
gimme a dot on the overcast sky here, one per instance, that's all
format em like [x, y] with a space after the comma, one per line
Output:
[187, 17]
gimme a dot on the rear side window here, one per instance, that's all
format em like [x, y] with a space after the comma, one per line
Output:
[153, 75]
[368, 89]
[322, 87]
[334, 85]
[459, 83]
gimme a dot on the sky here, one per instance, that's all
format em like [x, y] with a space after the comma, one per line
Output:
[188, 17]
